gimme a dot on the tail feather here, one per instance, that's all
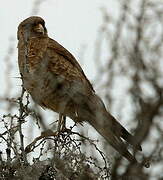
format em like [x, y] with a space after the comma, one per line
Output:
[110, 128]
[122, 132]
[115, 142]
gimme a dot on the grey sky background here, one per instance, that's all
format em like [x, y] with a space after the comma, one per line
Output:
[73, 23]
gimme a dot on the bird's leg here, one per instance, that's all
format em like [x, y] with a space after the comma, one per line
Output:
[61, 123]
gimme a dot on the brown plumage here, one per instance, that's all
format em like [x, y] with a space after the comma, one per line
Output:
[56, 81]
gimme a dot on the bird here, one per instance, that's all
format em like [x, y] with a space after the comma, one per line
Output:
[56, 81]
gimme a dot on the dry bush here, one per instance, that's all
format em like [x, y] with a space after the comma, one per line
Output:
[65, 160]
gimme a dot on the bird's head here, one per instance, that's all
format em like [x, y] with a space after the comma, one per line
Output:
[33, 26]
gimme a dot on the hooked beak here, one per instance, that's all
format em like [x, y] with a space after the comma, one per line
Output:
[39, 28]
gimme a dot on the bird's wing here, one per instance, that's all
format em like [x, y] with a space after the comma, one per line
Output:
[67, 61]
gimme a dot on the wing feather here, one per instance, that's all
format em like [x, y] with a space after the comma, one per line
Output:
[70, 64]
